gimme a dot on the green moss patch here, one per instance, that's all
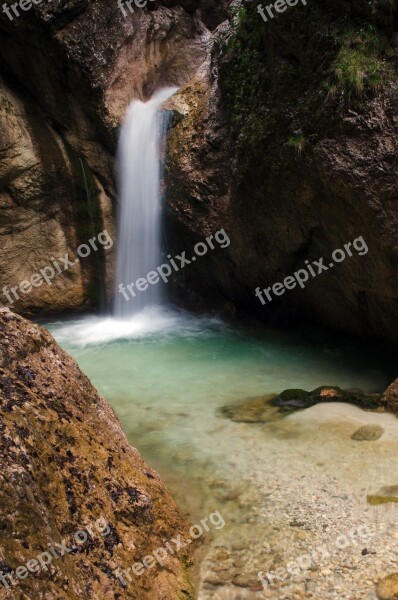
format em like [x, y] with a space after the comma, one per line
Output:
[360, 64]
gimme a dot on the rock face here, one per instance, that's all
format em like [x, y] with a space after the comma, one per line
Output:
[68, 74]
[290, 143]
[65, 466]
[51, 203]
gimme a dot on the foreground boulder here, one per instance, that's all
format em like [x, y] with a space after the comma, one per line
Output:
[66, 467]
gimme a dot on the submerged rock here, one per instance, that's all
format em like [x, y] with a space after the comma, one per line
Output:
[252, 410]
[384, 496]
[368, 433]
[387, 588]
[293, 399]
[272, 407]
[65, 463]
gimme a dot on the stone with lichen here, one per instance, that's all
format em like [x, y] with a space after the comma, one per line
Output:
[64, 463]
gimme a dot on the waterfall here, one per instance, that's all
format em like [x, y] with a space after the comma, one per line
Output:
[139, 224]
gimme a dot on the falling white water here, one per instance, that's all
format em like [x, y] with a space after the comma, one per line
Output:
[139, 228]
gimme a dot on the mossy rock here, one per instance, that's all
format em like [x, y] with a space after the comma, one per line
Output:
[50, 442]
[251, 410]
[385, 495]
[299, 399]
[294, 398]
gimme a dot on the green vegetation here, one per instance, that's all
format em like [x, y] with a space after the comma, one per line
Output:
[297, 142]
[360, 62]
[273, 76]
[244, 77]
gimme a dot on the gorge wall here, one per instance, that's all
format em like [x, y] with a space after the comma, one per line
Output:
[289, 142]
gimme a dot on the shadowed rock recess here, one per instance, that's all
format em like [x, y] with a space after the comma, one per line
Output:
[64, 463]
[289, 142]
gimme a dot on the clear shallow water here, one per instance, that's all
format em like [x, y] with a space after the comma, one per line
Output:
[166, 372]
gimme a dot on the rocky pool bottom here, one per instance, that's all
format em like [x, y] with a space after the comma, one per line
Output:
[293, 489]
